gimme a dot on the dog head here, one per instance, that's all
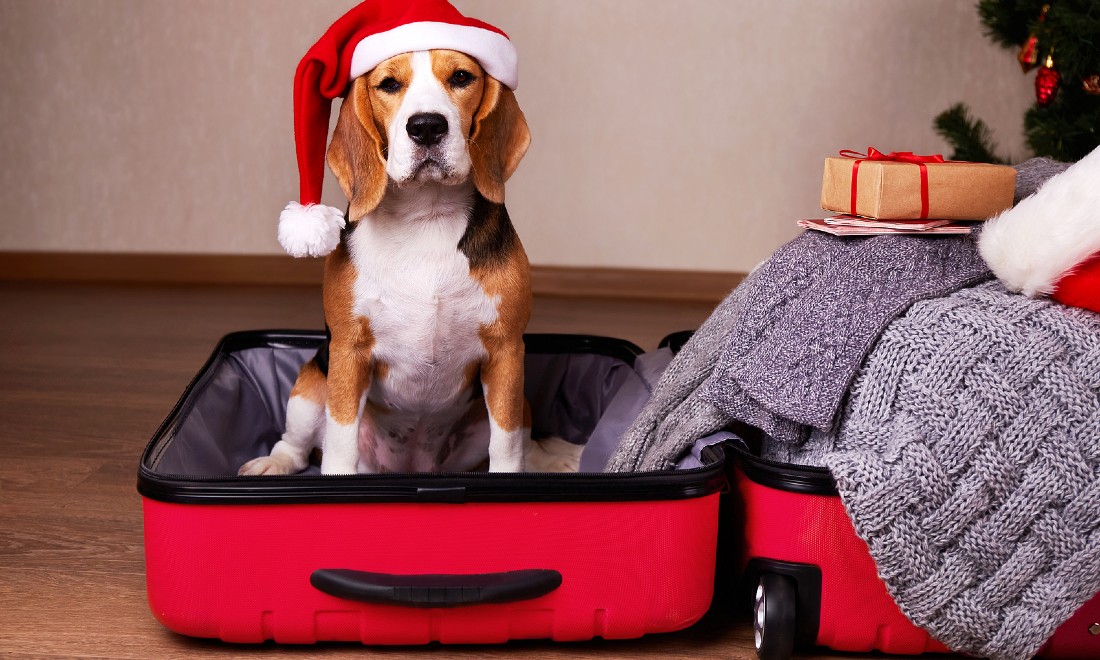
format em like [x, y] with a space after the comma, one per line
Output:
[422, 118]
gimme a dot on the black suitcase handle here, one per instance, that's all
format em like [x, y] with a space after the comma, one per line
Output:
[435, 590]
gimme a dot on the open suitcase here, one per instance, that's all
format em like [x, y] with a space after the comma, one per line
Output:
[416, 558]
[811, 581]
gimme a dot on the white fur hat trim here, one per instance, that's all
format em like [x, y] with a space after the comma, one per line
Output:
[1032, 245]
[492, 50]
[310, 231]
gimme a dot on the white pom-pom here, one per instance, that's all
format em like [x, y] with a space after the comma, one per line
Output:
[1034, 244]
[312, 230]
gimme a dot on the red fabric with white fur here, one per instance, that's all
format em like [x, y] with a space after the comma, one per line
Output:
[1049, 243]
[1081, 288]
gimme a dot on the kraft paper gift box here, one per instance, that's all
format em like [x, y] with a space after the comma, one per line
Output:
[904, 186]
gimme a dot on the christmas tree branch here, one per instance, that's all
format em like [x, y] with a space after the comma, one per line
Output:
[970, 137]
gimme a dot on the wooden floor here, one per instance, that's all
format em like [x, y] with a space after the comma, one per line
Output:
[88, 373]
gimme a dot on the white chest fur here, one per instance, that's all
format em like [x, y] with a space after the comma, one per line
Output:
[415, 288]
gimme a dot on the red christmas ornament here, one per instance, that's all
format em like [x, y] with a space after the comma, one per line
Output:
[1091, 84]
[1029, 53]
[1046, 82]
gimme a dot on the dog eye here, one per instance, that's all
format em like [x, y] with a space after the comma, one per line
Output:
[461, 78]
[389, 85]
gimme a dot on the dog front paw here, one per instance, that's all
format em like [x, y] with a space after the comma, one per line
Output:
[285, 458]
[506, 464]
[267, 465]
[334, 466]
[553, 455]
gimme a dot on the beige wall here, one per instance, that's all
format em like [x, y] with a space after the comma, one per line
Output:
[683, 134]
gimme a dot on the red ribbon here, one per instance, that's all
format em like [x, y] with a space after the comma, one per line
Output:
[897, 157]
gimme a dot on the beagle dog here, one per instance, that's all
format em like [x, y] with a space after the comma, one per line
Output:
[429, 292]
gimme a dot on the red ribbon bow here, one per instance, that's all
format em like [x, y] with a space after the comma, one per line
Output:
[899, 157]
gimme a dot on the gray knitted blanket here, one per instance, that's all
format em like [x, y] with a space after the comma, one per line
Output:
[968, 457]
[967, 452]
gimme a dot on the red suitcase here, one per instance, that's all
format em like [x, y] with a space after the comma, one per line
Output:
[411, 559]
[811, 580]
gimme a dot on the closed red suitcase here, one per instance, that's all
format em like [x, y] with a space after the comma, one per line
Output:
[411, 559]
[811, 580]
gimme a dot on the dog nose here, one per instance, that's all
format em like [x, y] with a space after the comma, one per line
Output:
[427, 128]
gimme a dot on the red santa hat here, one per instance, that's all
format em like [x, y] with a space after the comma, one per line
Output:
[1049, 243]
[372, 32]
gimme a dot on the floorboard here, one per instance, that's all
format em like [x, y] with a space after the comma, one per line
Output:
[88, 373]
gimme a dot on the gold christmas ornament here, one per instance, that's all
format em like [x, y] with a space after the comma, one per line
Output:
[1091, 84]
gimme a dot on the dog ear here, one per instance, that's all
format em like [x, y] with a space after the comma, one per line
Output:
[498, 141]
[355, 153]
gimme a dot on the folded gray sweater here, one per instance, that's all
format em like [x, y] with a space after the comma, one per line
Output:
[780, 352]
[782, 349]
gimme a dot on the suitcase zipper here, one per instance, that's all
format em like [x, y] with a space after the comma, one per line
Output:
[442, 487]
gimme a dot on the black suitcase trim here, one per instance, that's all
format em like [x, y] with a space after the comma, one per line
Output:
[420, 487]
[789, 477]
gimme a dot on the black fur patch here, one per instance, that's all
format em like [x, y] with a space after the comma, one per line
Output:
[348, 225]
[321, 358]
[490, 236]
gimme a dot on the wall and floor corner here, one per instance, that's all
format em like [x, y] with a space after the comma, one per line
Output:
[681, 136]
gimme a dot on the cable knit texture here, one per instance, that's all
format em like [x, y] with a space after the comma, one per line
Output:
[968, 457]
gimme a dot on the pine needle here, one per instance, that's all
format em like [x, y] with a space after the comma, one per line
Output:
[971, 137]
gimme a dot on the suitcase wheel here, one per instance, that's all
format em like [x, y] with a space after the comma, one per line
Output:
[773, 617]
